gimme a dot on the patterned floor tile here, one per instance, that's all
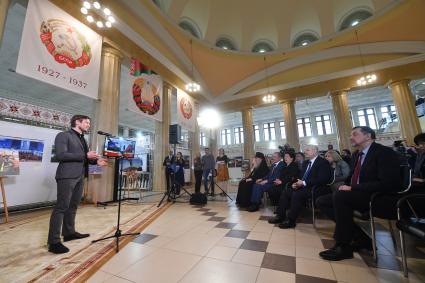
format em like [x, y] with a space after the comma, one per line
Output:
[254, 245]
[144, 238]
[238, 234]
[226, 225]
[279, 262]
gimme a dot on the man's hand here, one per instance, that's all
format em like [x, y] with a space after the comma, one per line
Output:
[344, 188]
[259, 181]
[263, 182]
[102, 162]
[248, 180]
[277, 182]
[298, 184]
[92, 155]
[418, 180]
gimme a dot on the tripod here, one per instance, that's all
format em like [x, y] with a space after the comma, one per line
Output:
[171, 191]
[118, 233]
[213, 184]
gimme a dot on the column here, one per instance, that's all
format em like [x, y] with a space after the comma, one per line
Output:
[342, 119]
[4, 8]
[106, 119]
[194, 137]
[406, 110]
[162, 146]
[213, 145]
[292, 138]
[248, 134]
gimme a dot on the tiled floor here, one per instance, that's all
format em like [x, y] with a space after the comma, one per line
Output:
[220, 243]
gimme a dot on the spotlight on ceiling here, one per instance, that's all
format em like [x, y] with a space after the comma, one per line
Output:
[355, 23]
[304, 43]
[209, 118]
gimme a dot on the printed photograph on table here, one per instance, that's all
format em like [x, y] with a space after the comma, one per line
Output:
[9, 162]
[238, 161]
[231, 163]
[28, 150]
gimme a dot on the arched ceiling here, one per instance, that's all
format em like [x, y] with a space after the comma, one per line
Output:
[278, 21]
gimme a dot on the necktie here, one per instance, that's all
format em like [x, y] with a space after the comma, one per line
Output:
[356, 173]
[307, 171]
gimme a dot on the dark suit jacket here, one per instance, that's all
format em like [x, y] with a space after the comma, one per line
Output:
[320, 173]
[290, 173]
[70, 154]
[168, 161]
[380, 170]
[276, 173]
[259, 173]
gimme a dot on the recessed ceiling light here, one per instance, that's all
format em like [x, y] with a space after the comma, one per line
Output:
[108, 24]
[111, 19]
[96, 5]
[84, 10]
[355, 23]
[90, 19]
[261, 50]
[86, 5]
[304, 43]
[99, 24]
[225, 47]
[107, 11]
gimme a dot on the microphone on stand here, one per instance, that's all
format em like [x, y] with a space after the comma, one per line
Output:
[104, 133]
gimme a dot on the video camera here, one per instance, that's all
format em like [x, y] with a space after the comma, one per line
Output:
[285, 149]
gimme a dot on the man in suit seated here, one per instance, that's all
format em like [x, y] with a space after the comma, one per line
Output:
[267, 183]
[316, 174]
[376, 169]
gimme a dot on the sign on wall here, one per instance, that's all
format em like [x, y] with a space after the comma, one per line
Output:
[186, 114]
[59, 50]
[146, 91]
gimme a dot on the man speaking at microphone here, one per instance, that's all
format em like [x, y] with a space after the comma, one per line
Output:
[74, 158]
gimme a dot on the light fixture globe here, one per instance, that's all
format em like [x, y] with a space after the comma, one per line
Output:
[193, 87]
[269, 98]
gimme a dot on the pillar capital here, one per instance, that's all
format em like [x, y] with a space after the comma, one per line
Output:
[166, 84]
[108, 50]
[338, 92]
[399, 82]
[288, 101]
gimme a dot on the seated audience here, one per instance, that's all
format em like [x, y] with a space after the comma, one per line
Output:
[262, 185]
[289, 174]
[346, 156]
[260, 170]
[316, 174]
[341, 169]
[376, 169]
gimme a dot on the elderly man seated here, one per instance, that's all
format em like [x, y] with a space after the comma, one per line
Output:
[267, 183]
[316, 174]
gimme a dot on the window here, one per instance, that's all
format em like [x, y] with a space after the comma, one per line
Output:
[225, 137]
[304, 127]
[262, 47]
[304, 39]
[354, 19]
[367, 117]
[256, 133]
[238, 135]
[282, 130]
[190, 27]
[324, 126]
[389, 113]
[202, 139]
[269, 131]
[225, 43]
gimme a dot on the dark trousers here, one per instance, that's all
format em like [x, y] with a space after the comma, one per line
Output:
[167, 177]
[258, 190]
[293, 201]
[198, 180]
[69, 193]
[205, 174]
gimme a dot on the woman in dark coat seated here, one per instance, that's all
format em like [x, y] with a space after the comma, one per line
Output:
[289, 174]
[260, 170]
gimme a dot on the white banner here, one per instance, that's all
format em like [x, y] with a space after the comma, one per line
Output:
[186, 114]
[59, 50]
[146, 96]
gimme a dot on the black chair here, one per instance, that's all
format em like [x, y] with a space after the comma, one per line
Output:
[414, 226]
[368, 215]
[313, 199]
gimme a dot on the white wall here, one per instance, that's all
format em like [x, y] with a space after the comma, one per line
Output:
[36, 181]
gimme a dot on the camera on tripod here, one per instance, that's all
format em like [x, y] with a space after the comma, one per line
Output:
[286, 148]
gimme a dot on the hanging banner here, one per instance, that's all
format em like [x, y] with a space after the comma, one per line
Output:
[59, 50]
[186, 114]
[146, 91]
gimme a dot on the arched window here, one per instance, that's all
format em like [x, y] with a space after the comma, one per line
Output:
[354, 19]
[304, 39]
[262, 47]
[190, 27]
[225, 43]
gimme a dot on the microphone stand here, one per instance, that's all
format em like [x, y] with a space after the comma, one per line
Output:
[117, 235]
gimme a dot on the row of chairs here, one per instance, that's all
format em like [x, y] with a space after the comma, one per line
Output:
[413, 226]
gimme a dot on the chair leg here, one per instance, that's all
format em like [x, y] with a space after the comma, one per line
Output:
[392, 234]
[313, 212]
[403, 254]
[372, 231]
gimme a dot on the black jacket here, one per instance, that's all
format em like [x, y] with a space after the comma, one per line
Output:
[260, 172]
[380, 170]
[320, 173]
[290, 173]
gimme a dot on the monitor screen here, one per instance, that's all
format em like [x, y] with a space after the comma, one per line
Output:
[117, 147]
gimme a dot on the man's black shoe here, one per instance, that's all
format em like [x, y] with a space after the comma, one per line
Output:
[75, 236]
[275, 220]
[58, 248]
[337, 253]
[287, 224]
[253, 208]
